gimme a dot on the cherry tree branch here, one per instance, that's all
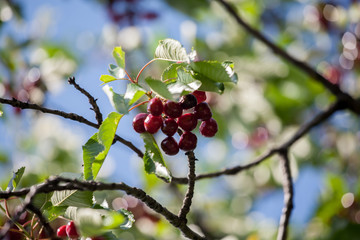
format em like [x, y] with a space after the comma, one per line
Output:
[191, 184]
[92, 100]
[288, 195]
[60, 183]
[304, 129]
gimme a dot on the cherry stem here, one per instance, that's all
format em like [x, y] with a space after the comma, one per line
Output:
[130, 79]
[139, 104]
[143, 68]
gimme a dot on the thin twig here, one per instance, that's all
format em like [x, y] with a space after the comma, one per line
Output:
[288, 196]
[92, 100]
[53, 184]
[42, 219]
[305, 128]
[190, 192]
[23, 105]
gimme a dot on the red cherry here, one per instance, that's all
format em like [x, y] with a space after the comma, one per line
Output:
[200, 96]
[188, 101]
[202, 111]
[138, 122]
[71, 230]
[173, 109]
[170, 146]
[155, 107]
[188, 141]
[153, 123]
[61, 231]
[187, 122]
[208, 128]
[170, 127]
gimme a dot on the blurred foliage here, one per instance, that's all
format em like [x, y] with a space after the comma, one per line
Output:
[271, 100]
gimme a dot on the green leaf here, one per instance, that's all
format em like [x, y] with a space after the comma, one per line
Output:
[116, 71]
[215, 71]
[133, 93]
[119, 56]
[94, 222]
[184, 84]
[53, 212]
[130, 219]
[171, 71]
[153, 159]
[159, 87]
[171, 50]
[40, 200]
[107, 78]
[72, 198]
[14, 181]
[98, 146]
[118, 101]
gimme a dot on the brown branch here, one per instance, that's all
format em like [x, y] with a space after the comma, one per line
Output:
[288, 195]
[53, 184]
[318, 119]
[190, 192]
[92, 100]
[23, 105]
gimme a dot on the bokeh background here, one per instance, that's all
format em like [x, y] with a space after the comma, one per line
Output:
[42, 43]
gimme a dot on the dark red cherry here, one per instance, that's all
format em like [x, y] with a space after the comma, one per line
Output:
[208, 128]
[169, 127]
[187, 122]
[170, 146]
[153, 123]
[188, 141]
[200, 96]
[188, 101]
[71, 230]
[173, 109]
[138, 122]
[155, 107]
[61, 231]
[202, 111]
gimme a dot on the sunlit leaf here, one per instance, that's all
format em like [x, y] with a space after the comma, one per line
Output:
[107, 78]
[53, 212]
[14, 181]
[119, 56]
[98, 146]
[72, 198]
[159, 87]
[118, 101]
[133, 93]
[116, 71]
[153, 159]
[214, 71]
[171, 50]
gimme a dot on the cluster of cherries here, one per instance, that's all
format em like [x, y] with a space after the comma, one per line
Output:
[169, 116]
[69, 230]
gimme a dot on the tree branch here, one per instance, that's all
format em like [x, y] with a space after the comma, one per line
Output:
[92, 100]
[53, 184]
[318, 119]
[288, 196]
[190, 192]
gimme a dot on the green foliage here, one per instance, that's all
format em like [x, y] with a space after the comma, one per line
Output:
[116, 71]
[153, 158]
[98, 146]
[107, 78]
[159, 88]
[171, 50]
[119, 56]
[14, 181]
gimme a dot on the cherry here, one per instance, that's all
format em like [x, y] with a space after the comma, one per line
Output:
[153, 123]
[173, 109]
[71, 230]
[200, 96]
[138, 122]
[61, 231]
[170, 146]
[155, 107]
[187, 122]
[208, 128]
[188, 141]
[202, 111]
[170, 127]
[188, 101]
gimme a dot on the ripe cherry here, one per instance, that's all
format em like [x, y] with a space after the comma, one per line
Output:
[173, 109]
[202, 111]
[71, 230]
[61, 231]
[153, 123]
[170, 127]
[187, 122]
[155, 107]
[170, 146]
[200, 96]
[188, 101]
[188, 141]
[208, 128]
[138, 122]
